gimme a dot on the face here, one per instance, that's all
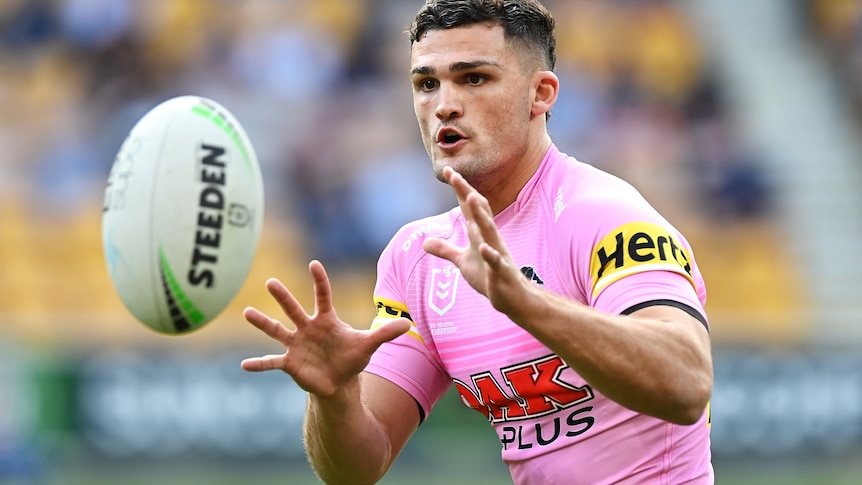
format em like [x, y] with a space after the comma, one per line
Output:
[472, 97]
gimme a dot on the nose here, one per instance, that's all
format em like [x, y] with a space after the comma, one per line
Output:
[449, 104]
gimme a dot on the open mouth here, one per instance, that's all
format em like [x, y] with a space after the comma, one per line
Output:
[448, 136]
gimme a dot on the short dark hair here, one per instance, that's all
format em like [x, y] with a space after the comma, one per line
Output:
[525, 21]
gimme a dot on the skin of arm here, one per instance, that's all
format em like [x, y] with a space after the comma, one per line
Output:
[356, 444]
[656, 361]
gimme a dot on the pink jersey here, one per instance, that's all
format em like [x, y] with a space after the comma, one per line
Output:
[580, 233]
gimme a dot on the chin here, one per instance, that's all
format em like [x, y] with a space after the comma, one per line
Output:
[438, 170]
[468, 167]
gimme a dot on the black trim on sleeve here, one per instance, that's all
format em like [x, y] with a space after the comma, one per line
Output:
[682, 306]
[421, 412]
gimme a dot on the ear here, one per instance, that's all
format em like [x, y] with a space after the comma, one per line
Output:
[546, 88]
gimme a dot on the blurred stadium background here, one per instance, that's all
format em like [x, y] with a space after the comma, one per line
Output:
[739, 120]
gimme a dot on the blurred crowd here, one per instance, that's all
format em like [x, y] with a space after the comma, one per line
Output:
[836, 26]
[322, 89]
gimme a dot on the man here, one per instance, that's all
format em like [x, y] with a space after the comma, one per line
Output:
[554, 298]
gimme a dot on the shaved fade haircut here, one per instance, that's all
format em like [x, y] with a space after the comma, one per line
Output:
[526, 22]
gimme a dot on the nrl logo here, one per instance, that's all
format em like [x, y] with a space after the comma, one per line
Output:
[444, 285]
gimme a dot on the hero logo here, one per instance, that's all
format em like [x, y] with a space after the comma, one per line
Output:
[535, 390]
[635, 248]
[444, 286]
[211, 206]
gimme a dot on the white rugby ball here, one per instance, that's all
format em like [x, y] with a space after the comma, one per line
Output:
[182, 215]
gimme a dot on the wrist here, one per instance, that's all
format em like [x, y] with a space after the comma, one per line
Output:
[526, 306]
[338, 401]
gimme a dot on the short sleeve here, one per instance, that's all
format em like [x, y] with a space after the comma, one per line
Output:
[406, 361]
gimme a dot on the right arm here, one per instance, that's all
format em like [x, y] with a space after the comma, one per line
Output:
[356, 423]
[355, 435]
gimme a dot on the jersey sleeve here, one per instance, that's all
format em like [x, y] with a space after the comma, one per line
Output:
[625, 255]
[641, 262]
[649, 288]
[406, 361]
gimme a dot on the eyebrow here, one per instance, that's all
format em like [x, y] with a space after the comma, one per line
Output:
[454, 67]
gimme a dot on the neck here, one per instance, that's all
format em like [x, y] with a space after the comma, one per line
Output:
[502, 186]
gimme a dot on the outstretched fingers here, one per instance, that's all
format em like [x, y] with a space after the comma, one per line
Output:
[482, 230]
[272, 327]
[287, 302]
[322, 288]
[387, 331]
[461, 188]
[263, 364]
[485, 234]
[442, 249]
[268, 325]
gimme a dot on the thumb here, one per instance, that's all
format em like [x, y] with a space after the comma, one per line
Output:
[388, 329]
[440, 248]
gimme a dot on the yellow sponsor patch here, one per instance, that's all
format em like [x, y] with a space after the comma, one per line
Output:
[388, 309]
[634, 248]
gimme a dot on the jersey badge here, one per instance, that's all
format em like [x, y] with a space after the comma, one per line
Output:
[444, 288]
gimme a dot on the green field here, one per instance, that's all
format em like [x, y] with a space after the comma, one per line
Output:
[297, 476]
[455, 447]
[427, 461]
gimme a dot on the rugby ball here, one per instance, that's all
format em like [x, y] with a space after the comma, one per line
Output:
[182, 214]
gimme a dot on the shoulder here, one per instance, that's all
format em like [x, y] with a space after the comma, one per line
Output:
[604, 227]
[592, 202]
[405, 247]
[410, 236]
[569, 186]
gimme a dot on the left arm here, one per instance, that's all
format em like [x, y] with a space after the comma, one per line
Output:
[656, 361]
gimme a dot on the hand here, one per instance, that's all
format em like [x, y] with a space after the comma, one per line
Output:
[486, 263]
[322, 353]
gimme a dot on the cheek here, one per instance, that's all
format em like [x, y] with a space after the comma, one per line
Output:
[508, 118]
[424, 131]
[512, 109]
[421, 116]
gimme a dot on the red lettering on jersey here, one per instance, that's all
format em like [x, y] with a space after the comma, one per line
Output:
[470, 399]
[499, 404]
[536, 389]
[539, 387]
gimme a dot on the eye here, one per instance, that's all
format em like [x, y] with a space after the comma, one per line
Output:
[426, 85]
[475, 79]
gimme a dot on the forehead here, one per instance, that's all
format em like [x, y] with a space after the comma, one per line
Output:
[442, 47]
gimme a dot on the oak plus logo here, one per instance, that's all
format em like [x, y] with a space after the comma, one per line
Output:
[530, 390]
[444, 287]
